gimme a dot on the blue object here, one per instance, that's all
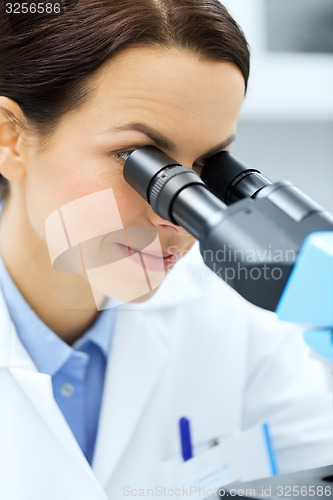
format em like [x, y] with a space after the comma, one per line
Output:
[77, 371]
[308, 295]
[321, 341]
[185, 438]
[270, 449]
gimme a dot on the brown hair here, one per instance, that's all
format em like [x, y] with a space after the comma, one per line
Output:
[46, 59]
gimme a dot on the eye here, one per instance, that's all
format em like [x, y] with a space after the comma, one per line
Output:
[122, 157]
[197, 167]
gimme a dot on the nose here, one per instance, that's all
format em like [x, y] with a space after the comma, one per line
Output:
[165, 225]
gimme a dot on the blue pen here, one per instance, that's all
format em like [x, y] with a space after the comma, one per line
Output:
[185, 438]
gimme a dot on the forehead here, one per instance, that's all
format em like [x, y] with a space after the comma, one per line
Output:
[166, 88]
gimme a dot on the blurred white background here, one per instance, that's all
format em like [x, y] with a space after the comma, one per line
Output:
[286, 125]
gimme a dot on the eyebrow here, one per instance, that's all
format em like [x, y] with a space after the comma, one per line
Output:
[164, 143]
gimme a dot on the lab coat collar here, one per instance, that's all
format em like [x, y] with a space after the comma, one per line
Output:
[37, 386]
[12, 352]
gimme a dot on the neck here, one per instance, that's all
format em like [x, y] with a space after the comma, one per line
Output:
[64, 302]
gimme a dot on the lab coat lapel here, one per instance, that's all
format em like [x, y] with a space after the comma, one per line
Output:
[35, 390]
[138, 356]
[38, 388]
[35, 385]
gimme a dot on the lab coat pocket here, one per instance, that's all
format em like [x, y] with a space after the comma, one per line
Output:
[241, 457]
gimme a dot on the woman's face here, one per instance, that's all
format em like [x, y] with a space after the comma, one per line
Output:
[169, 98]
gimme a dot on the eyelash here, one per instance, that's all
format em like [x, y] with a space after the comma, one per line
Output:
[122, 156]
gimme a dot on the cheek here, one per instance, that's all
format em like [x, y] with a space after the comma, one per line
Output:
[48, 193]
[55, 182]
[132, 207]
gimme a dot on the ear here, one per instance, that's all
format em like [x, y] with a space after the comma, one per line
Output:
[12, 165]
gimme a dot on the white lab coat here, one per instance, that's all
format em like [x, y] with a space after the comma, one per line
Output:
[195, 349]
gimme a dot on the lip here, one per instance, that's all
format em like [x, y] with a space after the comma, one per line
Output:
[154, 253]
[157, 253]
[152, 259]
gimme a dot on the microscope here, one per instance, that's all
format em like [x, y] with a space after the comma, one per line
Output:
[268, 240]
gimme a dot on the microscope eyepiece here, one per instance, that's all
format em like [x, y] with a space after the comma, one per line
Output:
[265, 216]
[230, 180]
[159, 179]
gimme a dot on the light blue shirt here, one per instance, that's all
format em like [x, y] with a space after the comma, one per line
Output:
[77, 371]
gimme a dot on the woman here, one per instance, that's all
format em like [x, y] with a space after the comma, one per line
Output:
[92, 389]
